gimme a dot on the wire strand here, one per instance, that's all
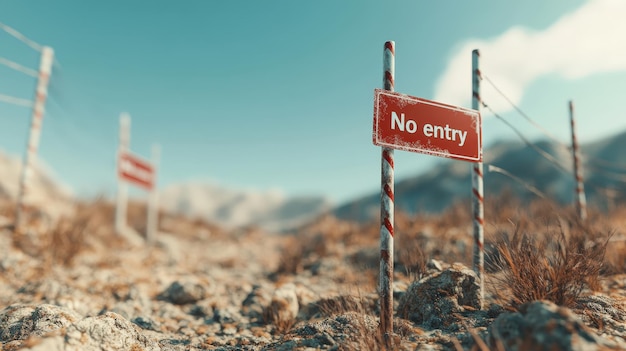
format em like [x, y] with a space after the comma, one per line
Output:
[18, 67]
[610, 175]
[524, 115]
[539, 150]
[531, 188]
[604, 164]
[15, 101]
[21, 37]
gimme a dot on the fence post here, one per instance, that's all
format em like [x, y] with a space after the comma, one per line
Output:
[122, 187]
[153, 201]
[581, 201]
[387, 212]
[30, 158]
[477, 188]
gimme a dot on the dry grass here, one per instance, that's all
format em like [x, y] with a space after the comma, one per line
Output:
[66, 238]
[273, 314]
[557, 267]
[346, 303]
[291, 260]
[412, 258]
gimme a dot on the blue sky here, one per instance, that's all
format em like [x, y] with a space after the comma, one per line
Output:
[279, 94]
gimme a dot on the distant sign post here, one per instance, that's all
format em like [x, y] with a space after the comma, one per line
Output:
[409, 123]
[140, 173]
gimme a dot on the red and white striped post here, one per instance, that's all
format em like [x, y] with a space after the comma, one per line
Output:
[581, 201]
[153, 201]
[387, 212]
[41, 93]
[122, 187]
[477, 188]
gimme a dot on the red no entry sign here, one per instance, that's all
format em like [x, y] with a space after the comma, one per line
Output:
[412, 124]
[136, 170]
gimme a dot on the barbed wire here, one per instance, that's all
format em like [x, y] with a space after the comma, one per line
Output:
[617, 176]
[539, 150]
[534, 190]
[524, 114]
[15, 101]
[71, 136]
[611, 193]
[21, 37]
[18, 67]
[600, 163]
[589, 162]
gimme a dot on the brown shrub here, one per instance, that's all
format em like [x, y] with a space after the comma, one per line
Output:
[291, 259]
[67, 240]
[555, 267]
[273, 314]
[346, 303]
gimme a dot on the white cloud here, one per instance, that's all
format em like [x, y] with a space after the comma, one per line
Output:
[590, 40]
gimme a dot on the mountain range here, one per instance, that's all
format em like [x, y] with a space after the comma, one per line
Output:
[604, 169]
[270, 210]
[526, 167]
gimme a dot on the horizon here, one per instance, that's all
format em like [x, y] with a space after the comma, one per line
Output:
[279, 96]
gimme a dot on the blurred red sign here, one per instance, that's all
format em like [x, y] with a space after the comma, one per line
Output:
[136, 170]
[412, 124]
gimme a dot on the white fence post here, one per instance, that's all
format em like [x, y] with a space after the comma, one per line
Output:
[387, 212]
[581, 200]
[122, 187]
[153, 201]
[45, 70]
[477, 188]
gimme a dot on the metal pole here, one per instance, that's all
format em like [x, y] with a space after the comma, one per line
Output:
[387, 212]
[122, 187]
[581, 201]
[30, 158]
[477, 188]
[153, 205]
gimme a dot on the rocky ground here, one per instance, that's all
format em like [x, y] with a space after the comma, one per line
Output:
[78, 286]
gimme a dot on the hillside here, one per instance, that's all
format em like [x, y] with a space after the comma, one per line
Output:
[46, 192]
[230, 208]
[449, 182]
[80, 287]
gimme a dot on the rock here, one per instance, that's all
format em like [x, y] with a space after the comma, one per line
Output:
[542, 325]
[604, 313]
[284, 305]
[109, 331]
[434, 300]
[256, 301]
[19, 322]
[227, 315]
[146, 323]
[351, 330]
[183, 293]
[202, 309]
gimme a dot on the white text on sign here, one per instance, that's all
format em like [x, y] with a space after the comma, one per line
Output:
[429, 130]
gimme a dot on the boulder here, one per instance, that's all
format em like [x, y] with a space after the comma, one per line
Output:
[542, 325]
[256, 301]
[434, 300]
[181, 293]
[19, 322]
[109, 331]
